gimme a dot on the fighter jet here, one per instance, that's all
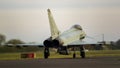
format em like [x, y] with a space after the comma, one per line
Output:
[61, 41]
[71, 38]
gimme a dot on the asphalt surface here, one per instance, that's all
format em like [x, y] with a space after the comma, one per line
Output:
[94, 62]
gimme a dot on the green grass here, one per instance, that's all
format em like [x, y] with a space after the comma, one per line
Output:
[103, 53]
[9, 56]
[100, 53]
[14, 49]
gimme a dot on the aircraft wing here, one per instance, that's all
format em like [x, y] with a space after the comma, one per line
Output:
[80, 43]
[26, 45]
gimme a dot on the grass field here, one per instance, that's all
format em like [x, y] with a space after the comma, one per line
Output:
[99, 53]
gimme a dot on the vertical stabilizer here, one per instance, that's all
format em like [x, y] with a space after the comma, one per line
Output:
[53, 27]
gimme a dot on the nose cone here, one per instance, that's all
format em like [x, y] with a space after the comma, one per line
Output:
[77, 27]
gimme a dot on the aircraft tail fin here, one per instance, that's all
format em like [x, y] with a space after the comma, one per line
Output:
[54, 30]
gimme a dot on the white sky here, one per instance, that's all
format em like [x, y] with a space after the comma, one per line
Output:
[27, 19]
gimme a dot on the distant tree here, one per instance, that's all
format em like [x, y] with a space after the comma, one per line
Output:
[2, 39]
[118, 44]
[15, 41]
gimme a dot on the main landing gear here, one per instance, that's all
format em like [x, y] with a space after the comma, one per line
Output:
[74, 54]
[82, 52]
[46, 52]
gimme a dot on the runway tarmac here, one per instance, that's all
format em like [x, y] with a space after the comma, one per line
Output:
[94, 62]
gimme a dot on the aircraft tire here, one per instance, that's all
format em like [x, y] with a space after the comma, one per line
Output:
[74, 55]
[46, 53]
[82, 54]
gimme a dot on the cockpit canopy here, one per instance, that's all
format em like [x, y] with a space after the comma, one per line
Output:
[77, 27]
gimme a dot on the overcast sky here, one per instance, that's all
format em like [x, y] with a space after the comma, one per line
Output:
[28, 20]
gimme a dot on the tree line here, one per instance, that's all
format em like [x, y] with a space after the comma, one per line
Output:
[116, 45]
[11, 41]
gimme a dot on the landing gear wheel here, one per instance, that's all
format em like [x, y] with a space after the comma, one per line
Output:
[74, 55]
[82, 52]
[46, 53]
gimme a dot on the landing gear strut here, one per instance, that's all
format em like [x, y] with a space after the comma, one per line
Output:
[82, 52]
[46, 53]
[74, 54]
